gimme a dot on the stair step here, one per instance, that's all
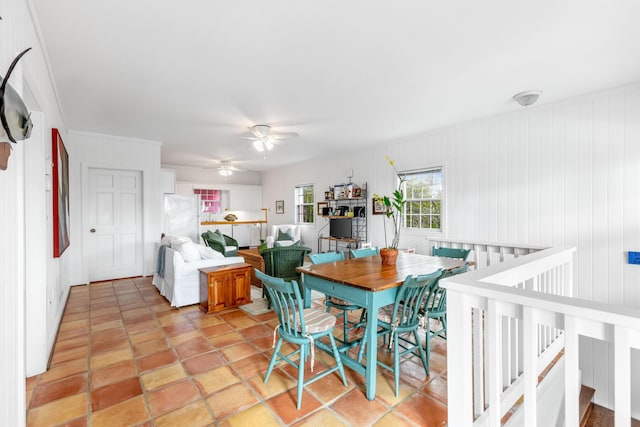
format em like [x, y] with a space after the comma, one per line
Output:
[586, 403]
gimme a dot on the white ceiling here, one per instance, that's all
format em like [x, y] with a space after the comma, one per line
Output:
[195, 74]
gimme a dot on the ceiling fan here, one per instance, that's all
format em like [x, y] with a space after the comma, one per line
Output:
[264, 139]
[225, 169]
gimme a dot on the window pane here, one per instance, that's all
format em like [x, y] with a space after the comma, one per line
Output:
[423, 192]
[305, 202]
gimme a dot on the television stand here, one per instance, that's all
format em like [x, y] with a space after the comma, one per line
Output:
[338, 244]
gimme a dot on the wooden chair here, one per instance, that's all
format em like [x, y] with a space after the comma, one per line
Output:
[343, 306]
[434, 307]
[451, 253]
[403, 317]
[303, 328]
[364, 252]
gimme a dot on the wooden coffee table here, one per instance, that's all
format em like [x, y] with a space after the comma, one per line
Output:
[254, 259]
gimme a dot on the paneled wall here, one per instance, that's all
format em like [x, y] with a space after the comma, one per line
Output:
[565, 174]
[109, 152]
[12, 226]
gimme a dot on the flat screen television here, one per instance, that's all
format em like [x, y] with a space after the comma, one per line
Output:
[340, 228]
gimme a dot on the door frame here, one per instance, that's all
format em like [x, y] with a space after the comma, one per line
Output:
[86, 257]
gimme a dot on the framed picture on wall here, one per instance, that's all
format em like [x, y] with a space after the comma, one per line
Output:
[321, 206]
[279, 206]
[378, 207]
[60, 194]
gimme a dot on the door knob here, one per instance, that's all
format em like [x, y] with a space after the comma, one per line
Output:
[93, 230]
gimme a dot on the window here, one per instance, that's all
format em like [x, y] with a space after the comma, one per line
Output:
[423, 192]
[305, 204]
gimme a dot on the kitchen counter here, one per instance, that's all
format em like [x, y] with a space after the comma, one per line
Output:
[260, 221]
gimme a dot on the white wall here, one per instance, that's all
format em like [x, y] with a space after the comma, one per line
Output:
[566, 174]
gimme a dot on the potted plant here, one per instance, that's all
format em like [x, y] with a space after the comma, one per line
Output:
[394, 208]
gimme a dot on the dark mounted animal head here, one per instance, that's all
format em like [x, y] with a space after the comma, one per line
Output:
[15, 118]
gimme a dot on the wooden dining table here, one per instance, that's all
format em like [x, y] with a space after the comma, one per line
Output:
[370, 284]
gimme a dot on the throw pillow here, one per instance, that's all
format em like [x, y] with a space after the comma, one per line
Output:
[217, 237]
[285, 235]
[286, 243]
[208, 253]
[188, 250]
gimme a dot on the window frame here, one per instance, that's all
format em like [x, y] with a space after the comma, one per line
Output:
[426, 231]
[299, 193]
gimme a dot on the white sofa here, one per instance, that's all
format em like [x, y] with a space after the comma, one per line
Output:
[291, 229]
[180, 284]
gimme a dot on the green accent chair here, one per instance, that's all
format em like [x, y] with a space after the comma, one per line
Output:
[434, 307]
[451, 253]
[403, 317]
[282, 262]
[343, 306]
[364, 252]
[226, 245]
[300, 327]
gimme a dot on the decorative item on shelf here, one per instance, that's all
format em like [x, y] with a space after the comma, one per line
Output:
[230, 217]
[328, 195]
[357, 191]
[338, 191]
[394, 206]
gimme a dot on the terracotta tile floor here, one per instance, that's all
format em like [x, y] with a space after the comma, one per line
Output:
[124, 357]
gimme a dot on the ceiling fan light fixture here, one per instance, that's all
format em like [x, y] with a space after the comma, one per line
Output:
[225, 172]
[528, 97]
[257, 144]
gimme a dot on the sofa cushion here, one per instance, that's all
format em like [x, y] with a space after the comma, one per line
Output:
[171, 240]
[285, 243]
[188, 250]
[285, 235]
[208, 253]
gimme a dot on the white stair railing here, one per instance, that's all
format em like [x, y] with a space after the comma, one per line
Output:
[484, 254]
[508, 321]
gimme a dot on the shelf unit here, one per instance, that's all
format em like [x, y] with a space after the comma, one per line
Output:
[351, 198]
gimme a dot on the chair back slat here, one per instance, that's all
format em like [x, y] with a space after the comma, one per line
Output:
[287, 302]
[409, 298]
[435, 301]
[450, 252]
[326, 257]
[364, 252]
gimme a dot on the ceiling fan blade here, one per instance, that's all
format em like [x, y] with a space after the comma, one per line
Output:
[282, 135]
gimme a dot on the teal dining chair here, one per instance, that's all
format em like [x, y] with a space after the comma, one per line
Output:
[402, 317]
[434, 308]
[302, 328]
[364, 252]
[344, 307]
[451, 252]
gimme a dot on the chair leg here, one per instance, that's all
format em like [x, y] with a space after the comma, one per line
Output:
[363, 343]
[338, 358]
[396, 361]
[301, 363]
[425, 360]
[274, 359]
[345, 327]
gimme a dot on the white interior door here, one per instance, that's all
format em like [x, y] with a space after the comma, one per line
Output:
[114, 224]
